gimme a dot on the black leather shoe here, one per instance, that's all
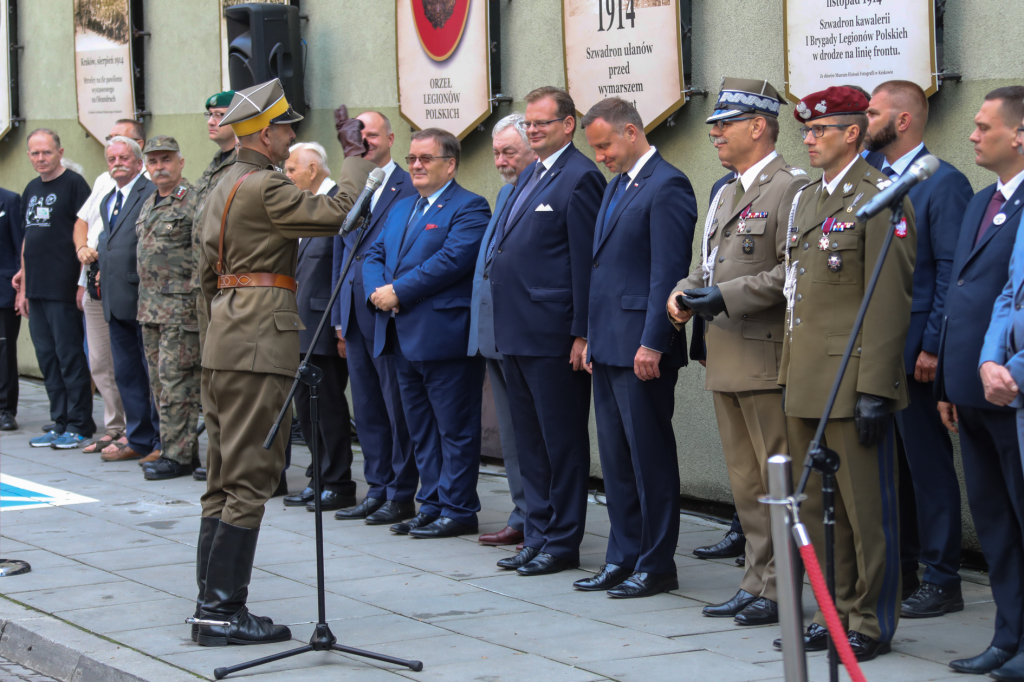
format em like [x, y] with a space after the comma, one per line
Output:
[8, 422]
[865, 648]
[932, 601]
[732, 545]
[391, 512]
[910, 584]
[741, 561]
[815, 639]
[525, 556]
[199, 474]
[546, 564]
[1012, 671]
[282, 487]
[443, 528]
[421, 519]
[164, 469]
[645, 585]
[361, 510]
[330, 500]
[730, 609]
[985, 662]
[610, 576]
[761, 612]
[301, 499]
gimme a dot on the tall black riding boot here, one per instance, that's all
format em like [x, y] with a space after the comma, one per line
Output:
[207, 529]
[227, 588]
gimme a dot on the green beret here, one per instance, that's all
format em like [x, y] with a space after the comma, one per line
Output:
[221, 99]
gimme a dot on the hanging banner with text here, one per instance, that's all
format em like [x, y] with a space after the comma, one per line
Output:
[624, 48]
[858, 42]
[103, 64]
[5, 70]
[444, 72]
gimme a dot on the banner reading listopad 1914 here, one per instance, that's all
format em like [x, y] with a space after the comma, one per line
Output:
[624, 48]
[444, 75]
[103, 64]
[858, 42]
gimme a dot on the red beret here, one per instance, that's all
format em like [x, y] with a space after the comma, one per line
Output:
[835, 100]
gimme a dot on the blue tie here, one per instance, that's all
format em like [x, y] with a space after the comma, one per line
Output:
[891, 172]
[620, 189]
[499, 230]
[117, 208]
[417, 213]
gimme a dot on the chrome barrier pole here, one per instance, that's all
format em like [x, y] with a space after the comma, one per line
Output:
[787, 567]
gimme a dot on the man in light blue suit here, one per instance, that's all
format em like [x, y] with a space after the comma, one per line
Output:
[512, 154]
[419, 277]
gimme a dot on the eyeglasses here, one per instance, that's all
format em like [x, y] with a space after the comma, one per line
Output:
[720, 125]
[423, 159]
[1020, 131]
[541, 124]
[819, 130]
[215, 115]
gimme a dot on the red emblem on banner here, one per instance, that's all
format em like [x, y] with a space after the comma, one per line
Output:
[439, 24]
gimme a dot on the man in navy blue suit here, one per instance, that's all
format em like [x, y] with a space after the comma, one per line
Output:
[512, 154]
[388, 462]
[12, 233]
[419, 277]
[542, 259]
[897, 116]
[643, 238]
[988, 433]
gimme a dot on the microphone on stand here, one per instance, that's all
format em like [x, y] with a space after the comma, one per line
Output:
[362, 204]
[921, 170]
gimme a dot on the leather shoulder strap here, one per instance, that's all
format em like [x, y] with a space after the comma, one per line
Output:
[224, 222]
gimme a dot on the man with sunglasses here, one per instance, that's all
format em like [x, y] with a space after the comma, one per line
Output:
[830, 256]
[737, 288]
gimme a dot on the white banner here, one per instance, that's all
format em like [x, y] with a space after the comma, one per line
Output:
[103, 64]
[858, 42]
[5, 70]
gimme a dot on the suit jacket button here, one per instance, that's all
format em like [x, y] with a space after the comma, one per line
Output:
[744, 317]
[1018, 306]
[896, 385]
[799, 297]
[769, 335]
[721, 259]
[797, 321]
[960, 283]
[485, 276]
[858, 350]
[727, 233]
[802, 271]
[806, 246]
[596, 264]
[359, 258]
[499, 250]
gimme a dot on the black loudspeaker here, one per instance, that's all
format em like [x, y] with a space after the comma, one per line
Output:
[264, 43]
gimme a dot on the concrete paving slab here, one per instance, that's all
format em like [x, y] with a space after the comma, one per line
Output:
[469, 604]
[84, 596]
[511, 668]
[163, 554]
[698, 665]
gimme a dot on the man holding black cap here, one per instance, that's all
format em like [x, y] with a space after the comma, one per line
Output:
[830, 256]
[737, 289]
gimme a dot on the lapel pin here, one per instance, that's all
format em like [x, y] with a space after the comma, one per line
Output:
[1000, 219]
[847, 187]
[763, 177]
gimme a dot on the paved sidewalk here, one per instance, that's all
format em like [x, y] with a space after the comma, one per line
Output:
[12, 672]
[122, 567]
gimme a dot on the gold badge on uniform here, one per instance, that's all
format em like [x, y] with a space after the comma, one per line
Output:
[835, 262]
[748, 246]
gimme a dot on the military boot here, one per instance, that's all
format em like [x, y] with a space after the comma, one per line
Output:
[207, 530]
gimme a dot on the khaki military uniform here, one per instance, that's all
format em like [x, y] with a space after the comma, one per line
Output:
[211, 176]
[826, 281]
[743, 254]
[252, 344]
[167, 315]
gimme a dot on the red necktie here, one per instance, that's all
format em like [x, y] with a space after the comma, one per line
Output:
[994, 207]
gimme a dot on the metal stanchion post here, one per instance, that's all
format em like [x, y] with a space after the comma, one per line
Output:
[787, 567]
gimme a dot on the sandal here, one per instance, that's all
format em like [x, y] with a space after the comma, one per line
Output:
[115, 446]
[102, 442]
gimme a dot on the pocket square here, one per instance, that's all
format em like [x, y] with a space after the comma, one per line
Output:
[544, 207]
[430, 226]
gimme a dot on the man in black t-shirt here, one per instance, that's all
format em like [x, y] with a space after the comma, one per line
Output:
[47, 288]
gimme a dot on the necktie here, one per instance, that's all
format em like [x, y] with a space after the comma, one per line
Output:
[620, 189]
[822, 197]
[893, 175]
[523, 196]
[994, 207]
[117, 207]
[417, 213]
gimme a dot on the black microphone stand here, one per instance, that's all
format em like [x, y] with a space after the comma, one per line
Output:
[823, 459]
[323, 639]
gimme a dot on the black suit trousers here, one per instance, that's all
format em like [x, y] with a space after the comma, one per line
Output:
[335, 441]
[10, 325]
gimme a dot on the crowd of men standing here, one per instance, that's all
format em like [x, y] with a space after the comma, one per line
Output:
[560, 295]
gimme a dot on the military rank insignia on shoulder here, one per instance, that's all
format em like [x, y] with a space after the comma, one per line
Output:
[883, 183]
[180, 192]
[796, 172]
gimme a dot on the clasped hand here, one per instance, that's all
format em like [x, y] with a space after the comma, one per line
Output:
[385, 298]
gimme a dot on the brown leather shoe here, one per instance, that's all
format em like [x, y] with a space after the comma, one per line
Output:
[122, 455]
[151, 457]
[506, 536]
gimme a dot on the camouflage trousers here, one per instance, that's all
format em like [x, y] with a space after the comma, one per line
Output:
[172, 354]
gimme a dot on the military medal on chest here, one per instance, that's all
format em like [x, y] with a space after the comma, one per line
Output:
[832, 225]
[741, 226]
[835, 262]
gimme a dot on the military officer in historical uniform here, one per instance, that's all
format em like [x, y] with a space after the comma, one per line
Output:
[830, 256]
[738, 287]
[252, 222]
[167, 307]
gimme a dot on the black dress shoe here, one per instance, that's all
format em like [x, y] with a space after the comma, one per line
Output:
[932, 601]
[301, 499]
[421, 519]
[199, 474]
[730, 609]
[761, 612]
[732, 545]
[645, 585]
[164, 469]
[330, 500]
[741, 561]
[985, 662]
[815, 639]
[391, 512]
[1012, 671]
[865, 648]
[8, 422]
[443, 528]
[610, 576]
[282, 487]
[361, 510]
[525, 556]
[546, 564]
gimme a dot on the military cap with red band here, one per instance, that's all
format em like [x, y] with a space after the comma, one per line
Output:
[831, 102]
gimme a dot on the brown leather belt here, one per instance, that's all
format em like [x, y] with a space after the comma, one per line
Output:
[257, 279]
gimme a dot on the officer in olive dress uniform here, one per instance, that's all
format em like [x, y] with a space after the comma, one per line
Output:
[738, 286]
[167, 308]
[253, 219]
[830, 257]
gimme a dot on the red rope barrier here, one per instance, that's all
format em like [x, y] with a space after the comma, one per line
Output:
[828, 609]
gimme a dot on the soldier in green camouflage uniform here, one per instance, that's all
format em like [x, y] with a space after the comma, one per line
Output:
[167, 308]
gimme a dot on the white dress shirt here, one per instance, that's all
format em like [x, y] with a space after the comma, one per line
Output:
[388, 170]
[901, 164]
[550, 161]
[831, 187]
[1009, 188]
[638, 166]
[124, 192]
